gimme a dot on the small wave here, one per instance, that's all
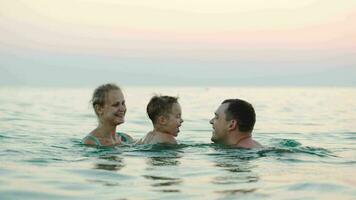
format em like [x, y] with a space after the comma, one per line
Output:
[321, 152]
[169, 191]
[273, 151]
[38, 161]
[160, 177]
[237, 191]
[349, 136]
[160, 147]
[288, 143]
[289, 146]
[2, 136]
[316, 187]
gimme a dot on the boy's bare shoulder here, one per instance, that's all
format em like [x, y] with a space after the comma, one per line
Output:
[166, 139]
[157, 138]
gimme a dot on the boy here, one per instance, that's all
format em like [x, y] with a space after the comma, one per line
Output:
[166, 116]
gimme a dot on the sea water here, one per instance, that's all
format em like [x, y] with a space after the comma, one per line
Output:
[309, 134]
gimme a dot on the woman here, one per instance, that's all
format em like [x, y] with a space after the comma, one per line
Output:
[109, 106]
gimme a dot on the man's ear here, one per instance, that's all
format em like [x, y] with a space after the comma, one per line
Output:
[232, 125]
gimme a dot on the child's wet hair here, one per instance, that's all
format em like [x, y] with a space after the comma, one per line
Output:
[160, 105]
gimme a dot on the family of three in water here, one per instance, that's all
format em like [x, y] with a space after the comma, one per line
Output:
[232, 123]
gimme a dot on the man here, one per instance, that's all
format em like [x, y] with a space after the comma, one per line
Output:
[233, 124]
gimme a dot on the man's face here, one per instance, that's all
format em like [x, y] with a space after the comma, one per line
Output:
[220, 125]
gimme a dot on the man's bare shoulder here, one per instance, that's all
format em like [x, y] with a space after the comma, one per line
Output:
[250, 144]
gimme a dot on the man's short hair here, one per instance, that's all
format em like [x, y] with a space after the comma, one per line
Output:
[243, 112]
[160, 105]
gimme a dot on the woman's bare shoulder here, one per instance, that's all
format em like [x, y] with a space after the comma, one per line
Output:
[90, 139]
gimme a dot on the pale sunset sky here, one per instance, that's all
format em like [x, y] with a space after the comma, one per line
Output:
[185, 42]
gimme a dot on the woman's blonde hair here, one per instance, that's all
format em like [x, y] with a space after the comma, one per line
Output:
[100, 94]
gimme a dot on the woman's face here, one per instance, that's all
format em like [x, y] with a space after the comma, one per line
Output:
[114, 109]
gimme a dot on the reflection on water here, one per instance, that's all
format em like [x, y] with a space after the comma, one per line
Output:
[162, 161]
[237, 191]
[162, 154]
[168, 191]
[237, 173]
[163, 181]
[104, 182]
[110, 163]
[160, 179]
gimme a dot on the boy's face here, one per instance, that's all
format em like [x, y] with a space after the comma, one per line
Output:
[174, 120]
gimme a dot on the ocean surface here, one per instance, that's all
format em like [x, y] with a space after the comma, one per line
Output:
[309, 134]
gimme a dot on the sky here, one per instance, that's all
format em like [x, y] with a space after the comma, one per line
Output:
[185, 42]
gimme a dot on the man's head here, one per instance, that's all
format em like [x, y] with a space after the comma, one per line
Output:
[165, 113]
[233, 115]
